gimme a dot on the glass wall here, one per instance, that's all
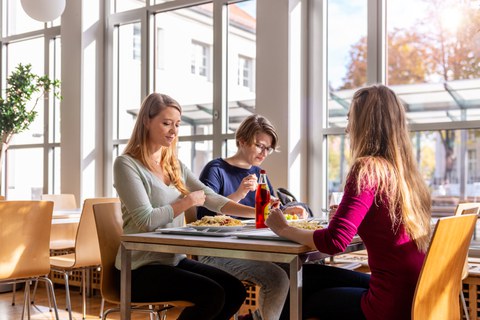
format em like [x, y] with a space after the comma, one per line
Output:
[187, 64]
[432, 63]
[32, 165]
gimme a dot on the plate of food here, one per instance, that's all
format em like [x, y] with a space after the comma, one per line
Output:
[307, 225]
[217, 223]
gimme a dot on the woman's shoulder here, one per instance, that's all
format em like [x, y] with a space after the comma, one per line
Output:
[217, 164]
[124, 158]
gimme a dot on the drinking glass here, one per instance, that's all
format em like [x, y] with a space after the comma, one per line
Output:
[335, 199]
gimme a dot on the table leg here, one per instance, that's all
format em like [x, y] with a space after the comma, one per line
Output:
[296, 284]
[125, 283]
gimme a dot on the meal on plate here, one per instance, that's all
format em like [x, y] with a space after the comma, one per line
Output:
[217, 221]
[308, 225]
[289, 216]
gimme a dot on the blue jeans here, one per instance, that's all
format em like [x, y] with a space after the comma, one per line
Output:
[272, 280]
[331, 293]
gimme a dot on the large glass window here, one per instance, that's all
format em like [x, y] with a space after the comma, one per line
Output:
[32, 165]
[432, 64]
[346, 54]
[127, 76]
[241, 48]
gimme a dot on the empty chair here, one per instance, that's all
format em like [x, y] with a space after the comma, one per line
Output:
[108, 219]
[64, 201]
[86, 253]
[466, 208]
[287, 199]
[24, 249]
[62, 239]
[439, 283]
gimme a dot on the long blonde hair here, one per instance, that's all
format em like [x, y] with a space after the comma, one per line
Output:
[137, 146]
[382, 156]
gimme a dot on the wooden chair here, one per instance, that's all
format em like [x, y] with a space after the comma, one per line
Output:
[466, 208]
[439, 283]
[66, 242]
[65, 201]
[2, 198]
[108, 219]
[86, 254]
[24, 249]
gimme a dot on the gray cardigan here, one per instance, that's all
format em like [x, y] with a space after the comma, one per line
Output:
[146, 205]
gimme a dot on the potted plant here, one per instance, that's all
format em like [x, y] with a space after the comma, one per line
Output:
[16, 113]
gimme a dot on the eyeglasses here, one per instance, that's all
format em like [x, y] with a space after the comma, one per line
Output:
[261, 148]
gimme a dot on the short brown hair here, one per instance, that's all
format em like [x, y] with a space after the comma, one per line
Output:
[251, 126]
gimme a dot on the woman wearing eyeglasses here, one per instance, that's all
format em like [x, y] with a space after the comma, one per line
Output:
[236, 177]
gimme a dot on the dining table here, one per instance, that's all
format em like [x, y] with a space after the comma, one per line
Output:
[261, 245]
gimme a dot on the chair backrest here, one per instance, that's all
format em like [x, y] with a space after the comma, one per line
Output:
[25, 238]
[467, 208]
[2, 198]
[108, 220]
[87, 251]
[287, 199]
[438, 287]
[65, 201]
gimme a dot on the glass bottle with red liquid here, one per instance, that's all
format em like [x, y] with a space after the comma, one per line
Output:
[262, 201]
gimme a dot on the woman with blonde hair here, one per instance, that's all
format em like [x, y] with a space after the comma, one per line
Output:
[155, 189]
[387, 203]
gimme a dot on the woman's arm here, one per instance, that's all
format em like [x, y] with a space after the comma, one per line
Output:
[215, 202]
[277, 222]
[233, 208]
[195, 198]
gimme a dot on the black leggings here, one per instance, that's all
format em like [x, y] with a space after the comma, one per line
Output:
[331, 293]
[215, 293]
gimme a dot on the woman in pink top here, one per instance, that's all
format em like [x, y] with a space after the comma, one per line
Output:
[387, 203]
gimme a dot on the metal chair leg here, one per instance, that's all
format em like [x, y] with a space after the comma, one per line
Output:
[84, 295]
[35, 293]
[13, 293]
[26, 300]
[102, 306]
[464, 305]
[51, 292]
[67, 296]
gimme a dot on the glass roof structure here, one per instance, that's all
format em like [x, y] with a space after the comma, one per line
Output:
[425, 103]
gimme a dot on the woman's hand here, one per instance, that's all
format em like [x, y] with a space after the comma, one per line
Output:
[197, 198]
[332, 211]
[298, 211]
[276, 221]
[249, 183]
[274, 203]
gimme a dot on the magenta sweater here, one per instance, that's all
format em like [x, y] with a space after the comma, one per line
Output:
[393, 258]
